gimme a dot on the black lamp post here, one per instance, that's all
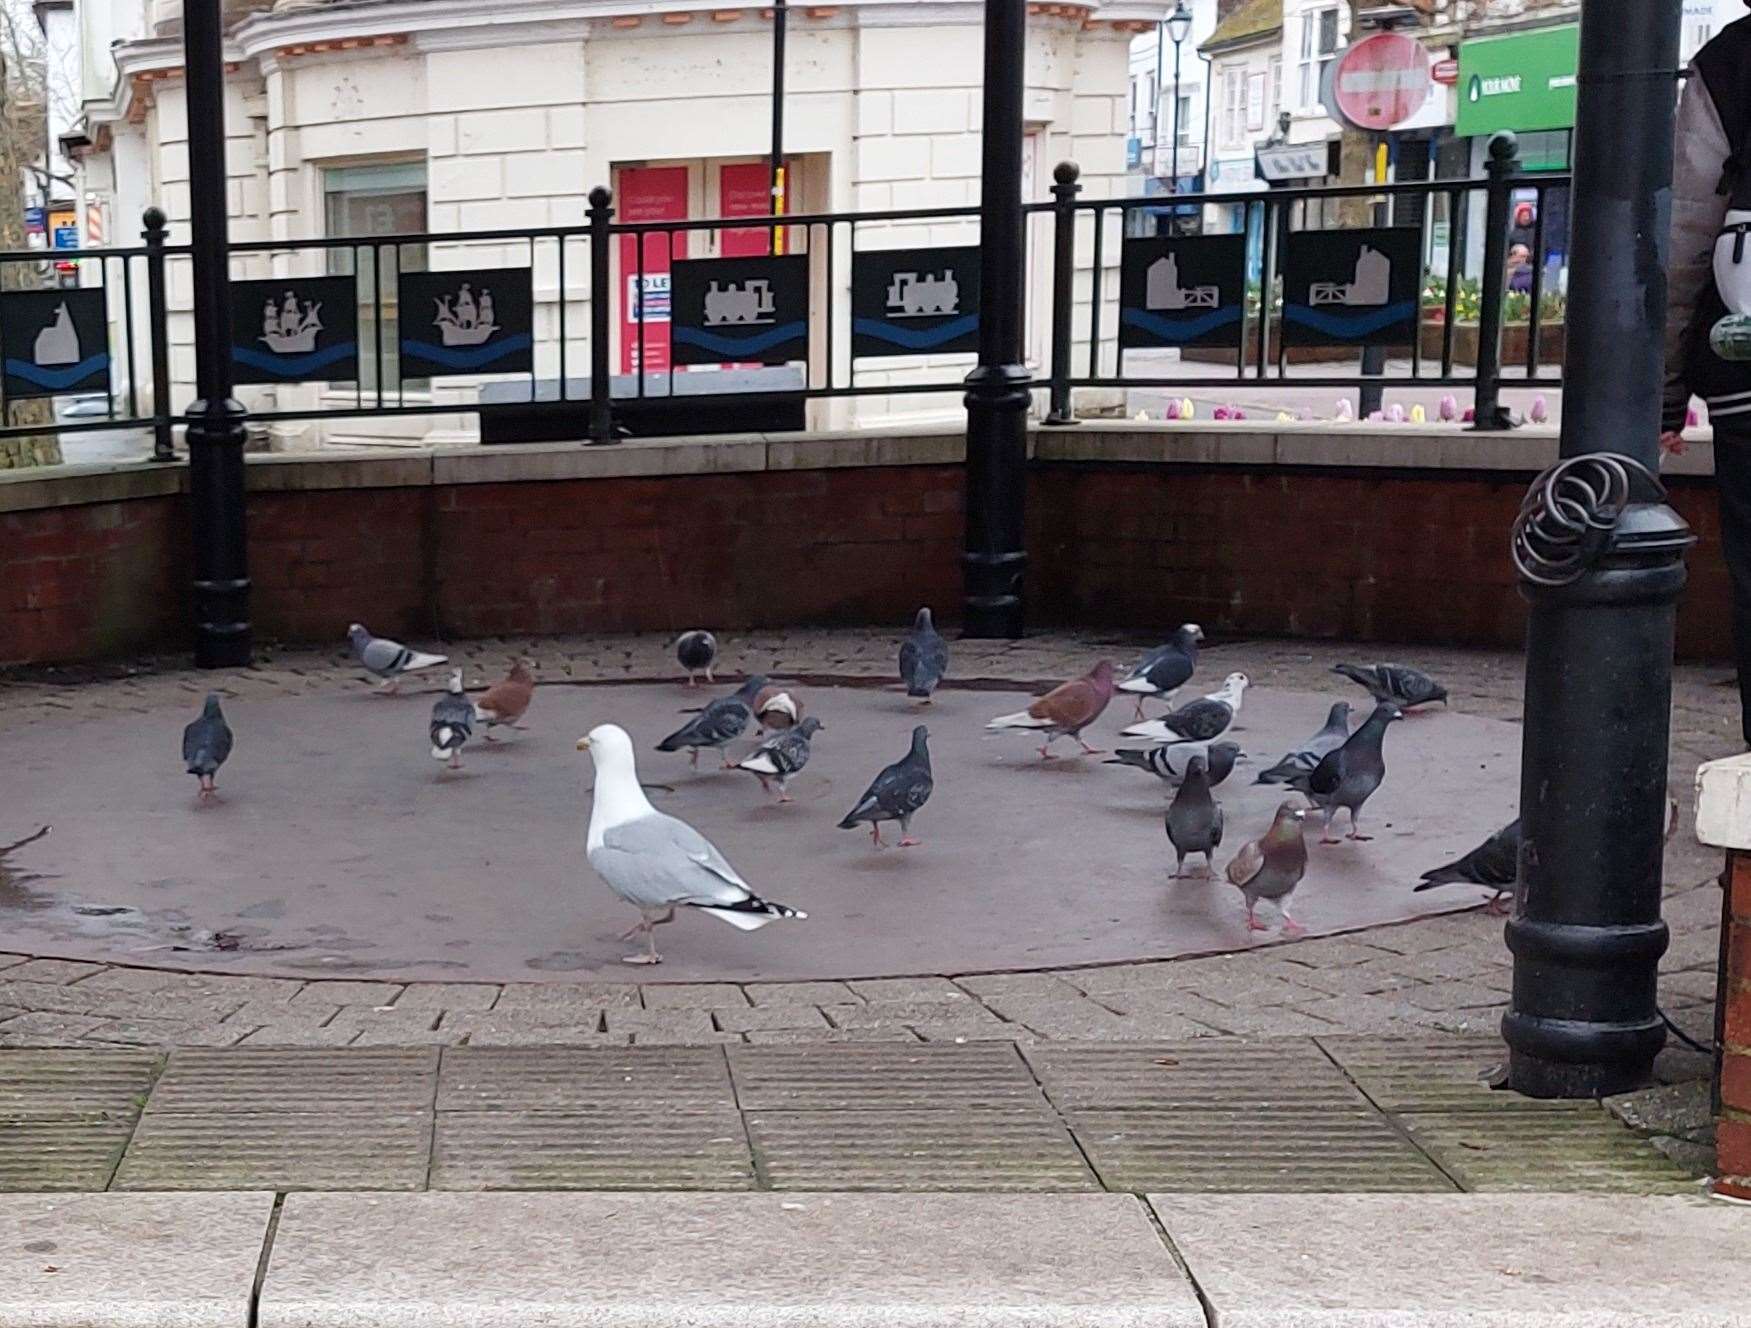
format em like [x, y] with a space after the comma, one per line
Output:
[780, 16]
[998, 388]
[1179, 27]
[215, 420]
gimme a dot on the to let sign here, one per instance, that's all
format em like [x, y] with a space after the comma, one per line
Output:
[1381, 81]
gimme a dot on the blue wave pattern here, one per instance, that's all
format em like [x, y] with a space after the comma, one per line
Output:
[56, 379]
[1350, 326]
[733, 347]
[915, 338]
[1179, 329]
[466, 358]
[294, 366]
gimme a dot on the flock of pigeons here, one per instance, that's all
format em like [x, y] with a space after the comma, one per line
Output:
[658, 863]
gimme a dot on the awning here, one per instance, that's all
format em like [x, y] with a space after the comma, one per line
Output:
[1523, 82]
[1293, 161]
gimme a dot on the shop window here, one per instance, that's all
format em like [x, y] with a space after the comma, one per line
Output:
[363, 202]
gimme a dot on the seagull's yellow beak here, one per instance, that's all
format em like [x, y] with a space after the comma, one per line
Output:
[583, 744]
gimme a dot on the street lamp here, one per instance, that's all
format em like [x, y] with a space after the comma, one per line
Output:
[1179, 27]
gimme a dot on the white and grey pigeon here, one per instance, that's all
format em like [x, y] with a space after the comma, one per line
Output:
[387, 659]
[1166, 669]
[654, 861]
[206, 742]
[923, 658]
[719, 724]
[1169, 764]
[452, 723]
[1302, 759]
[897, 793]
[1198, 721]
[696, 651]
[781, 756]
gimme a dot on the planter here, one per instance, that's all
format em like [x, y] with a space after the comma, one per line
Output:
[1291, 354]
[1551, 340]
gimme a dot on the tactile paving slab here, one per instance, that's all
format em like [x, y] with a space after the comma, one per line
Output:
[1269, 1076]
[916, 1150]
[605, 1149]
[269, 1151]
[61, 1085]
[1433, 1074]
[1544, 1150]
[869, 1075]
[1244, 1150]
[550, 1078]
[242, 1079]
[44, 1155]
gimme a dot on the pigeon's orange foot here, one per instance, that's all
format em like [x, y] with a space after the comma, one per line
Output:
[489, 736]
[1327, 839]
[1497, 907]
[785, 797]
[1293, 929]
[652, 958]
[1360, 839]
[1253, 924]
[910, 843]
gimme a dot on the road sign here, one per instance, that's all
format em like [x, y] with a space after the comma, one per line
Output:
[1381, 81]
[1445, 72]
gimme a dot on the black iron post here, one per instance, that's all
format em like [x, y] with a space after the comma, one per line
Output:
[998, 388]
[215, 419]
[600, 212]
[780, 16]
[1178, 42]
[1064, 191]
[1602, 563]
[1503, 166]
[158, 333]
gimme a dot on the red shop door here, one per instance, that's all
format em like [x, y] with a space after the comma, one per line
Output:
[649, 193]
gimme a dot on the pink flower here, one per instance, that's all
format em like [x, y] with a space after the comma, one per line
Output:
[1172, 410]
[1540, 412]
[1449, 408]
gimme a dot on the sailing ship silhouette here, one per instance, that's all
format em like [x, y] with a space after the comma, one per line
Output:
[470, 323]
[289, 328]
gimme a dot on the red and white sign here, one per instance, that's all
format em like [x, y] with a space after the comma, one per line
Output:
[1445, 72]
[648, 193]
[1381, 81]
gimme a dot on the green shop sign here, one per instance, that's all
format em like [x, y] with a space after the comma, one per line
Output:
[1521, 82]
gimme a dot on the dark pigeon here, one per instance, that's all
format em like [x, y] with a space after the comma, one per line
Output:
[781, 756]
[923, 658]
[1400, 684]
[452, 723]
[206, 743]
[896, 794]
[1302, 760]
[1194, 819]
[1348, 776]
[1495, 863]
[1168, 764]
[696, 651]
[719, 724]
[1271, 868]
[1165, 669]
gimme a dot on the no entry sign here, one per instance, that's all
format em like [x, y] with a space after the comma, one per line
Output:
[1381, 81]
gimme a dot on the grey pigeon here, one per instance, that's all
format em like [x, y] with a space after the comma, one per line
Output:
[1494, 863]
[1271, 868]
[923, 658]
[896, 794]
[1348, 776]
[1194, 818]
[1168, 764]
[696, 651]
[1200, 720]
[206, 743]
[781, 756]
[1400, 684]
[452, 723]
[1302, 760]
[388, 659]
[719, 724]
[1164, 670]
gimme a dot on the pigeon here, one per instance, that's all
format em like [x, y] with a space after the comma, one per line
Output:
[1302, 760]
[1194, 818]
[775, 709]
[1169, 763]
[923, 658]
[452, 723]
[1494, 863]
[388, 659]
[718, 724]
[1400, 684]
[1271, 868]
[655, 862]
[896, 794]
[205, 744]
[696, 651]
[781, 756]
[507, 702]
[1348, 776]
[1163, 671]
[1200, 720]
[1065, 710]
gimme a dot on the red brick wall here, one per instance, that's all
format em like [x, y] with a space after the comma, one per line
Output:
[1733, 1128]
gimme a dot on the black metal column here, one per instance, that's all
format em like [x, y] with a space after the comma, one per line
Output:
[215, 420]
[998, 388]
[780, 21]
[1602, 564]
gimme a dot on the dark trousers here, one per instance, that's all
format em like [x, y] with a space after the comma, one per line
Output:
[1733, 482]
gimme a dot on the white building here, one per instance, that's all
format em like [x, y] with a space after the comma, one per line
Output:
[1152, 142]
[375, 117]
[1246, 78]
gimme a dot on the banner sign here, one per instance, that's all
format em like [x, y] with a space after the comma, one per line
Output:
[914, 301]
[53, 341]
[295, 329]
[473, 321]
[1182, 292]
[739, 310]
[1352, 288]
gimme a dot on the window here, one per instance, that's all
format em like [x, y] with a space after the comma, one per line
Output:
[1185, 120]
[1319, 46]
[1154, 109]
[1275, 102]
[362, 202]
[1233, 107]
[1255, 101]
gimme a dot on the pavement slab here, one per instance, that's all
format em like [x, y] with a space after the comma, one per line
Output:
[244, 1079]
[277, 1151]
[609, 1148]
[1208, 1075]
[869, 1076]
[130, 1261]
[1431, 1074]
[44, 1155]
[1581, 1149]
[63, 1085]
[559, 1079]
[731, 1261]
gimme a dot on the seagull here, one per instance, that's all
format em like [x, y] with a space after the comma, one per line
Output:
[897, 793]
[1164, 670]
[781, 756]
[1065, 710]
[452, 723]
[696, 651]
[655, 862]
[923, 658]
[388, 659]
[1199, 721]
[206, 742]
[1400, 684]
[718, 724]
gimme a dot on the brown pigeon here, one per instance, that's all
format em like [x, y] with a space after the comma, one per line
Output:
[776, 709]
[506, 702]
[1066, 710]
[1271, 868]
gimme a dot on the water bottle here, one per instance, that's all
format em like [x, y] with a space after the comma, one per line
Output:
[1731, 338]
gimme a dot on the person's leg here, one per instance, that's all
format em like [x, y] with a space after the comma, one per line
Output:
[1733, 483]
